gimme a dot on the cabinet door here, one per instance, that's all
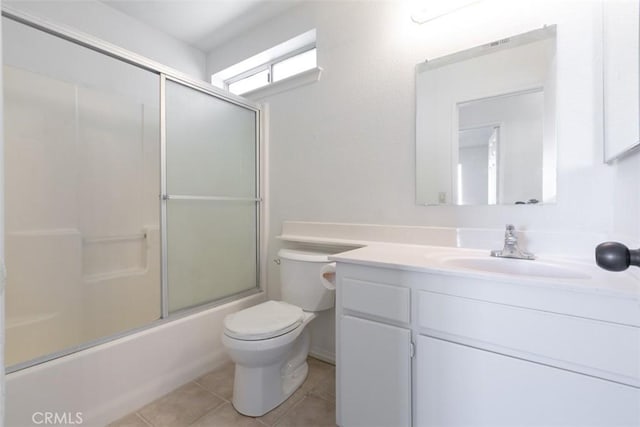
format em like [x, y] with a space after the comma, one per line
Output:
[463, 386]
[621, 85]
[374, 379]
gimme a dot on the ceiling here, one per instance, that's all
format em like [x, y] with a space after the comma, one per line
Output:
[203, 24]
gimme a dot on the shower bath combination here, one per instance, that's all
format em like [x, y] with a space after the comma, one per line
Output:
[132, 193]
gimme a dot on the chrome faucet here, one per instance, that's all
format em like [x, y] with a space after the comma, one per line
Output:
[511, 249]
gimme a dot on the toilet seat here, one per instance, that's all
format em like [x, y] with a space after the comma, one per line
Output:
[263, 321]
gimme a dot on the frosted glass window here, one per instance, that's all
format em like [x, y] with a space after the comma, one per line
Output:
[294, 65]
[250, 83]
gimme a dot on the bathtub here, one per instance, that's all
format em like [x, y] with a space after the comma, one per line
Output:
[108, 381]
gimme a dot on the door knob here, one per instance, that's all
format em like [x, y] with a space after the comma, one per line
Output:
[614, 256]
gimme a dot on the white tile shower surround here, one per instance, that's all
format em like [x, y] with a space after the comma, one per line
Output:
[569, 244]
[206, 402]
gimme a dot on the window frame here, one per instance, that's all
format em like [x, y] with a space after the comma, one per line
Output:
[269, 66]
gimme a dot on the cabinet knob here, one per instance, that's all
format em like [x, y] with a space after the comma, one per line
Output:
[614, 256]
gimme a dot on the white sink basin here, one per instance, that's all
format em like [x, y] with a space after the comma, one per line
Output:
[515, 267]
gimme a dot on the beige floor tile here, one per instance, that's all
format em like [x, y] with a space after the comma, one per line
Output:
[180, 407]
[271, 417]
[202, 402]
[312, 411]
[219, 381]
[319, 365]
[326, 388]
[318, 371]
[131, 420]
[226, 416]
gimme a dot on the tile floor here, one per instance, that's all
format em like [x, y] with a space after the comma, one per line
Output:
[206, 402]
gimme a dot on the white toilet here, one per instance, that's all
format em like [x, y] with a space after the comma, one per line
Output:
[269, 342]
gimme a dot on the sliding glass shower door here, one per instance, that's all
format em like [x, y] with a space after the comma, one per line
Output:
[131, 192]
[211, 197]
[82, 178]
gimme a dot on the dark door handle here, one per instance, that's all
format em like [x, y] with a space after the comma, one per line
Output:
[614, 256]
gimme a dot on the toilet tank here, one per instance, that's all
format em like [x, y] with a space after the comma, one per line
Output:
[307, 279]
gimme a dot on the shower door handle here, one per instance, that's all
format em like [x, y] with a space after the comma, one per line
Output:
[3, 276]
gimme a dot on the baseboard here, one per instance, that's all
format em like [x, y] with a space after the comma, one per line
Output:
[325, 356]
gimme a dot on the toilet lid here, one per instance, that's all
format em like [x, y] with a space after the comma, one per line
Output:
[262, 321]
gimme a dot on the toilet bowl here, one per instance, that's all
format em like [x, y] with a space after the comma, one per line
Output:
[268, 370]
[269, 342]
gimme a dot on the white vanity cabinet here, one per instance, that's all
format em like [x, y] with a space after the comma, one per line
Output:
[375, 377]
[374, 349]
[487, 352]
[459, 385]
[482, 363]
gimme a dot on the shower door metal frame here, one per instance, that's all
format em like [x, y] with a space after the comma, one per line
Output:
[164, 73]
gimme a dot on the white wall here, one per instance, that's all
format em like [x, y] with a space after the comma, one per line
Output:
[111, 25]
[342, 149]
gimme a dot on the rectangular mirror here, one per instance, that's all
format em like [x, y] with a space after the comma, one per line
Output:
[485, 124]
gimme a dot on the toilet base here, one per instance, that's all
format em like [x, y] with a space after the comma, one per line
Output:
[254, 402]
[259, 389]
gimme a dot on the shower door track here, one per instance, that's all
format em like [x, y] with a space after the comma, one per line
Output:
[165, 73]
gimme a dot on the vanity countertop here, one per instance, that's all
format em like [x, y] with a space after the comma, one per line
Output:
[569, 274]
